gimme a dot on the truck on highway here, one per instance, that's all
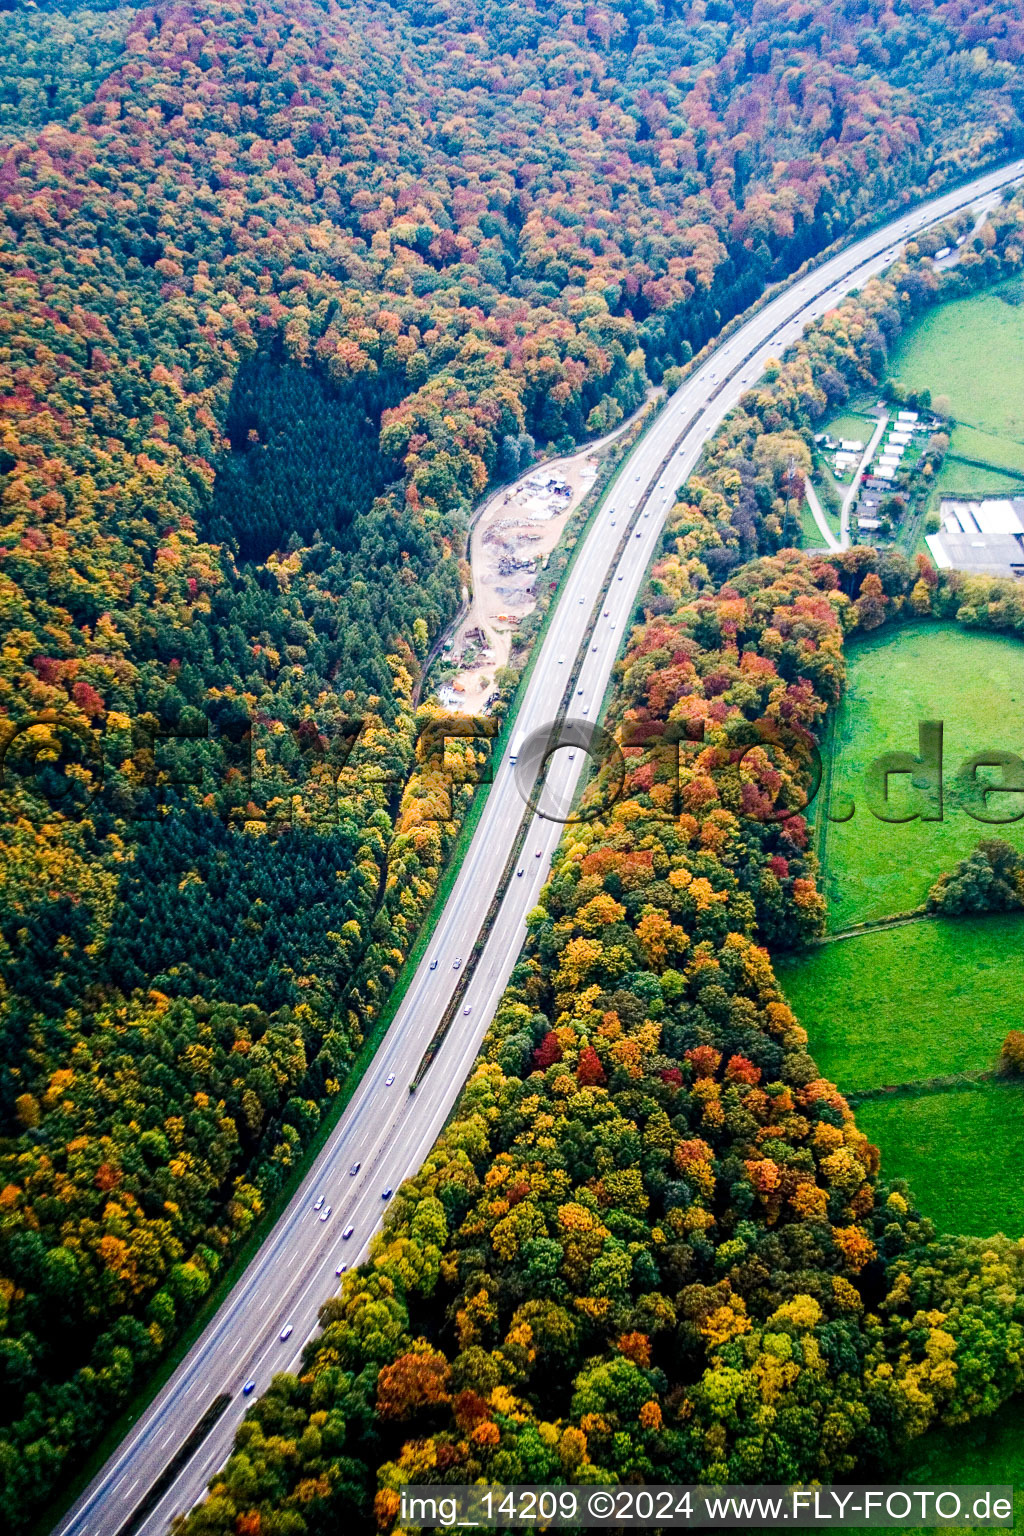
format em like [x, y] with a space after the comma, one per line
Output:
[517, 746]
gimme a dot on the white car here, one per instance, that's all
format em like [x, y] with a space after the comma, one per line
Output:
[456, 962]
[286, 1332]
[468, 1008]
[389, 1080]
[561, 661]
[319, 1203]
[348, 1232]
[341, 1269]
[325, 1213]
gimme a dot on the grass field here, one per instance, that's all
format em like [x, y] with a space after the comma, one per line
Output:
[956, 479]
[974, 683]
[971, 350]
[960, 1153]
[902, 1004]
[850, 423]
[810, 533]
[985, 1451]
[989, 448]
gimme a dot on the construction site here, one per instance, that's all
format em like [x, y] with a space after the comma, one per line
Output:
[510, 543]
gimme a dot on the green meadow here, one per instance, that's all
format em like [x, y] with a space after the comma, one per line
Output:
[959, 1150]
[972, 351]
[974, 684]
[900, 1004]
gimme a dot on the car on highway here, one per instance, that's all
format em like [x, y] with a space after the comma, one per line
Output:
[348, 1232]
[354, 1170]
[389, 1080]
[433, 965]
[561, 661]
[319, 1203]
[341, 1269]
[586, 709]
[468, 1008]
[325, 1213]
[582, 601]
[620, 575]
[387, 1193]
[104, 1509]
[638, 533]
[456, 962]
[538, 853]
[593, 647]
[518, 873]
[249, 1388]
[286, 1332]
[579, 691]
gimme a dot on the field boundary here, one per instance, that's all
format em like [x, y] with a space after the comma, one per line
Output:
[877, 925]
[918, 1087]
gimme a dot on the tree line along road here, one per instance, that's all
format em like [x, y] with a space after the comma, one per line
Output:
[386, 1131]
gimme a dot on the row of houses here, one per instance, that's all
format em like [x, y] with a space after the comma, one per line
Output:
[893, 446]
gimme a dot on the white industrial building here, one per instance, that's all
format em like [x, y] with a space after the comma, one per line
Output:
[985, 537]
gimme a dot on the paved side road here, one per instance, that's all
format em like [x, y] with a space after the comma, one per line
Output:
[385, 1132]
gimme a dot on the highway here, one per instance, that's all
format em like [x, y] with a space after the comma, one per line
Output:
[386, 1132]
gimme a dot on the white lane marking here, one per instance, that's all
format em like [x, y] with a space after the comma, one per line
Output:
[941, 209]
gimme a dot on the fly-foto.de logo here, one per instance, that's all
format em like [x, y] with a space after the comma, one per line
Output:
[257, 771]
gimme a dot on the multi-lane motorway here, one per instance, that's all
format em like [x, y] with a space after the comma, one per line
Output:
[386, 1131]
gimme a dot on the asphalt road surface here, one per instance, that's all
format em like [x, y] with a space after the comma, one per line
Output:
[386, 1130]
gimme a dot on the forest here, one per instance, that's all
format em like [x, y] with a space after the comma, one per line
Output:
[284, 285]
[647, 1181]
